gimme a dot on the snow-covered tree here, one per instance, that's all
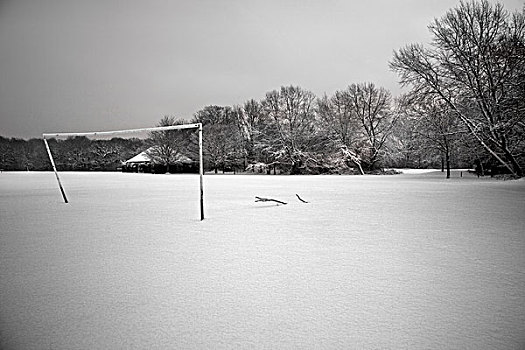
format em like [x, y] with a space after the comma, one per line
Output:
[222, 144]
[475, 65]
[292, 136]
[340, 125]
[167, 146]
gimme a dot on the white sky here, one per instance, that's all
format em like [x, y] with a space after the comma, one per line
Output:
[70, 65]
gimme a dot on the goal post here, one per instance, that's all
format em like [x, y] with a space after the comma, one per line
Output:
[198, 126]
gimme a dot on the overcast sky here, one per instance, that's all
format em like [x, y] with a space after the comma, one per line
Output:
[68, 65]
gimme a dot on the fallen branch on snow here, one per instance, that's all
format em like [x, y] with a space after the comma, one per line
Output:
[261, 199]
[302, 200]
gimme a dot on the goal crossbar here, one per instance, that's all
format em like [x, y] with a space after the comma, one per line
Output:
[128, 131]
[47, 136]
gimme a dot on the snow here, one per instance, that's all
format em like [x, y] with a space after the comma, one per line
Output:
[404, 261]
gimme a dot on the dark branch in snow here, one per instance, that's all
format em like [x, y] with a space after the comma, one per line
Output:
[302, 200]
[261, 199]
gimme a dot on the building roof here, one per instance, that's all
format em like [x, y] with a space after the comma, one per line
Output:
[144, 157]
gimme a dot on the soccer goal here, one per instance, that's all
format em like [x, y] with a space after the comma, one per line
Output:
[161, 149]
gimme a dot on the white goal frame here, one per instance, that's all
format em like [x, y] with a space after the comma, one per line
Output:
[198, 126]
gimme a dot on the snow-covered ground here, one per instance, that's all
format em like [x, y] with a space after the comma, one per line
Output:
[411, 261]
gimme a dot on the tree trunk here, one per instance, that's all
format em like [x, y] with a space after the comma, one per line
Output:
[373, 159]
[447, 161]
[353, 158]
[295, 168]
[517, 171]
[503, 146]
[361, 171]
[447, 156]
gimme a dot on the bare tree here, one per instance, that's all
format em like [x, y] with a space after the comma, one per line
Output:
[371, 106]
[404, 141]
[293, 127]
[222, 144]
[340, 124]
[167, 146]
[251, 122]
[76, 153]
[475, 65]
[436, 127]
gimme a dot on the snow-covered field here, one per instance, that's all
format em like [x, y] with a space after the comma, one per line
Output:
[412, 261]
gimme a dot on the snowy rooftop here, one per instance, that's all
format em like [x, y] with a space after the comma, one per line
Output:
[143, 157]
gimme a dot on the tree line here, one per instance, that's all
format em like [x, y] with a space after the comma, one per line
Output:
[75, 153]
[290, 131]
[465, 104]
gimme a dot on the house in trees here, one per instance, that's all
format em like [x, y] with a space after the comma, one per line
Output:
[148, 162]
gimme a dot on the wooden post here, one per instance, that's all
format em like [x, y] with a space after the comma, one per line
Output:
[201, 171]
[55, 170]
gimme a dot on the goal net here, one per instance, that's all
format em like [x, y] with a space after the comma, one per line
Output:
[164, 149]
